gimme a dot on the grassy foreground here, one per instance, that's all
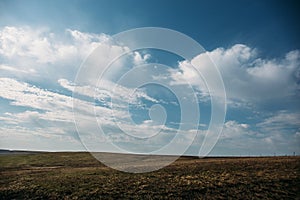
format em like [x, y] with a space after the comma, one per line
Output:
[80, 176]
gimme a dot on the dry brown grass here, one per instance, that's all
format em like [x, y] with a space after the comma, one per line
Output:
[79, 176]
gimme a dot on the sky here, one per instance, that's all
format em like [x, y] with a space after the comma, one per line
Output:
[52, 100]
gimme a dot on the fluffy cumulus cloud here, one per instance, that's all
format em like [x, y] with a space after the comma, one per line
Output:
[43, 46]
[39, 52]
[246, 76]
[37, 115]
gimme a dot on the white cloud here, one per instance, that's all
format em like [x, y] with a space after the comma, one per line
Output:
[23, 94]
[45, 47]
[53, 55]
[233, 129]
[38, 138]
[246, 76]
[139, 59]
[13, 69]
[280, 121]
[53, 122]
[245, 139]
[54, 115]
[55, 107]
[27, 53]
[106, 90]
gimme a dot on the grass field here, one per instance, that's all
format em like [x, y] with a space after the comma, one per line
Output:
[80, 176]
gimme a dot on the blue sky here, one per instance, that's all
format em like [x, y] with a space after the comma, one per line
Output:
[254, 44]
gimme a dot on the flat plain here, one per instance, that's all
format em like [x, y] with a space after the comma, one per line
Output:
[80, 176]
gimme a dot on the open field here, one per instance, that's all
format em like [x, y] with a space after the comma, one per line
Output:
[80, 176]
